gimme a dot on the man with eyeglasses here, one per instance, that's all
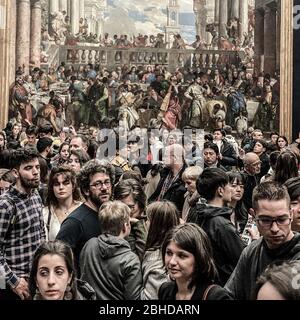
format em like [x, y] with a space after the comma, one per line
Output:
[252, 166]
[273, 216]
[96, 181]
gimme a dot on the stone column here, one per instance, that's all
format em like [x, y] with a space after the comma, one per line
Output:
[63, 5]
[4, 60]
[235, 5]
[223, 18]
[244, 19]
[81, 8]
[54, 6]
[23, 34]
[278, 36]
[259, 39]
[270, 40]
[35, 34]
[74, 16]
[217, 10]
[13, 35]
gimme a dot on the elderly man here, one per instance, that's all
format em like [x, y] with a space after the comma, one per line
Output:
[171, 187]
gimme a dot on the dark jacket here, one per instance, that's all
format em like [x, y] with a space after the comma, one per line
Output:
[253, 261]
[250, 183]
[176, 191]
[226, 242]
[168, 291]
[79, 227]
[229, 156]
[265, 164]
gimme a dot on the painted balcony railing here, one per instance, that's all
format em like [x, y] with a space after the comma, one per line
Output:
[172, 58]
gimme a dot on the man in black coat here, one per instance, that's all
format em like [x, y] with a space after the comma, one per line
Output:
[271, 209]
[214, 218]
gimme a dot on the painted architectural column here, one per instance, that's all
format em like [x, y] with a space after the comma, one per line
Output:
[4, 60]
[235, 5]
[81, 8]
[54, 6]
[63, 5]
[12, 40]
[259, 39]
[75, 16]
[270, 40]
[23, 34]
[223, 18]
[244, 19]
[217, 10]
[35, 34]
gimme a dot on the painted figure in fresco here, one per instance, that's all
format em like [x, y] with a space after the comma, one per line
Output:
[127, 116]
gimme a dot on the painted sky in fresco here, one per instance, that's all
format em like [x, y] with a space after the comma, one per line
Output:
[147, 17]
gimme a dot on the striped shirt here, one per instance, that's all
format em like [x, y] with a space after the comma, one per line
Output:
[19, 242]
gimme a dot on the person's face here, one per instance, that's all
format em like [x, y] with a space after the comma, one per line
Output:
[295, 206]
[190, 185]
[269, 292]
[94, 133]
[62, 188]
[209, 156]
[100, 188]
[257, 135]
[173, 156]
[254, 166]
[218, 136]
[31, 138]
[4, 186]
[133, 147]
[76, 144]
[258, 148]
[274, 138]
[16, 130]
[171, 140]
[2, 141]
[237, 191]
[133, 205]
[74, 163]
[64, 152]
[179, 263]
[29, 174]
[52, 277]
[281, 143]
[275, 233]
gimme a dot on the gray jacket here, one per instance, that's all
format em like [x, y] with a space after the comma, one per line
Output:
[111, 268]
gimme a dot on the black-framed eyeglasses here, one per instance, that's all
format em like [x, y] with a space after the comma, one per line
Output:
[267, 222]
[100, 184]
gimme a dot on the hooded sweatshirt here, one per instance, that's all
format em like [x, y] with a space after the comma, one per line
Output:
[111, 268]
[254, 260]
[226, 242]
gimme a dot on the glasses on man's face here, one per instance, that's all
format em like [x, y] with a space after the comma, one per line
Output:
[267, 222]
[100, 184]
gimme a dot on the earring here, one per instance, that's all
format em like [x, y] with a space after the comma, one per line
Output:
[37, 295]
[68, 293]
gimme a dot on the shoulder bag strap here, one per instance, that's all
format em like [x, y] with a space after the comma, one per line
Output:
[207, 290]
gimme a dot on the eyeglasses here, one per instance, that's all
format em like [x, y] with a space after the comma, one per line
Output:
[267, 222]
[100, 184]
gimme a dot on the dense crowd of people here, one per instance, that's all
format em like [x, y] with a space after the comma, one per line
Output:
[131, 199]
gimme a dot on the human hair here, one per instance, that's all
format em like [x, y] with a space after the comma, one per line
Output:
[286, 167]
[3, 134]
[213, 146]
[82, 156]
[70, 175]
[209, 182]
[220, 130]
[112, 217]
[43, 144]
[293, 187]
[131, 187]
[192, 173]
[269, 190]
[21, 156]
[273, 158]
[209, 137]
[46, 129]
[131, 174]
[31, 130]
[53, 248]
[281, 276]
[284, 138]
[90, 169]
[262, 142]
[235, 176]
[62, 145]
[163, 216]
[85, 140]
[191, 238]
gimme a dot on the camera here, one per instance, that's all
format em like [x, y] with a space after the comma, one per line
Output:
[66, 130]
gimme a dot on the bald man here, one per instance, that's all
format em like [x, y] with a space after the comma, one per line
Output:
[252, 166]
[171, 187]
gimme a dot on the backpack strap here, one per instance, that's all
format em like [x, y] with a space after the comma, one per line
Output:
[207, 290]
[49, 219]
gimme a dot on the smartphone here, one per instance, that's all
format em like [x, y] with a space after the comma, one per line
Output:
[246, 236]
[66, 129]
